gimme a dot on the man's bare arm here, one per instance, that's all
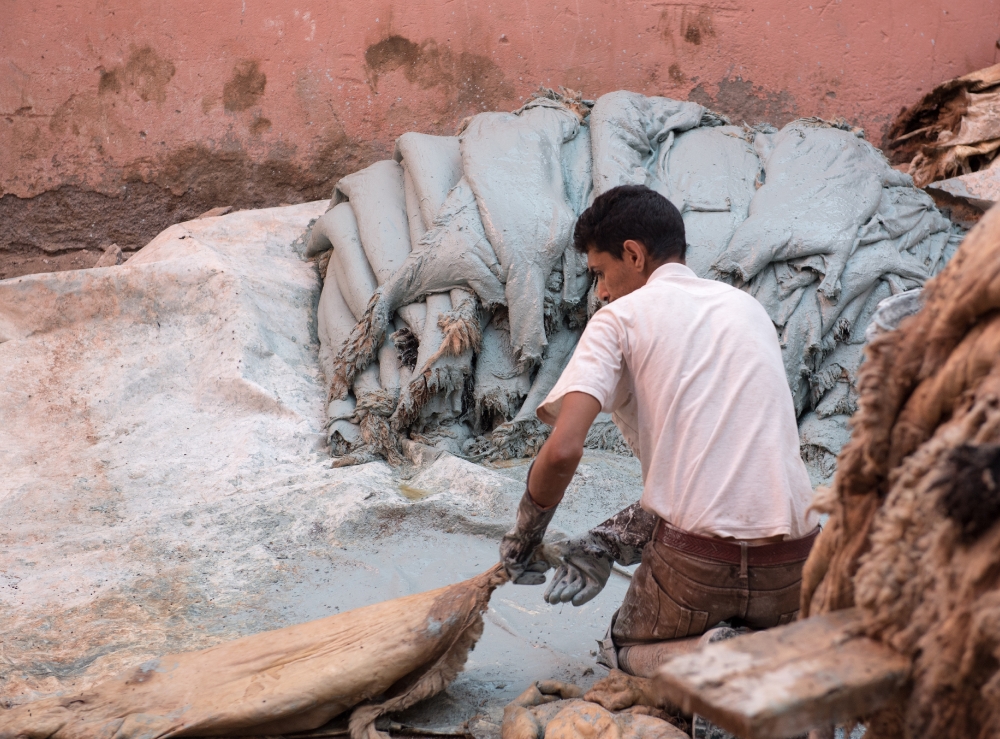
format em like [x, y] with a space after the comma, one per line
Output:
[561, 453]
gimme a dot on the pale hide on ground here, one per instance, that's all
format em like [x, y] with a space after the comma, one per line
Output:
[166, 486]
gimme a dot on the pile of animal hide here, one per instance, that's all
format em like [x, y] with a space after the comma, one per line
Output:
[453, 297]
[954, 130]
[914, 533]
[368, 662]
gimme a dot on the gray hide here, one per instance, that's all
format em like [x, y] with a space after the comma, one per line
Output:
[333, 325]
[454, 253]
[710, 175]
[810, 220]
[821, 185]
[433, 167]
[347, 289]
[631, 132]
[338, 229]
[578, 177]
[379, 202]
[525, 434]
[499, 387]
[514, 165]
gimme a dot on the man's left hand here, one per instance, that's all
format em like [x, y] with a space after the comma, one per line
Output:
[584, 571]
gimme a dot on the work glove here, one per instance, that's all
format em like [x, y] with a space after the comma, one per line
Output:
[519, 546]
[585, 569]
[586, 560]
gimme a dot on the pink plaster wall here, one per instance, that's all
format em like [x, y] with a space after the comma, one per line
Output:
[190, 95]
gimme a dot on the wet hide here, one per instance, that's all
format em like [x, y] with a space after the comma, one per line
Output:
[369, 661]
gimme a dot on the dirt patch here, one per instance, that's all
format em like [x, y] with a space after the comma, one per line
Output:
[476, 82]
[145, 72]
[30, 262]
[743, 102]
[245, 87]
[260, 125]
[696, 25]
[70, 226]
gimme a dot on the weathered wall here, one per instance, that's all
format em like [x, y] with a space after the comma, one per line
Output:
[118, 118]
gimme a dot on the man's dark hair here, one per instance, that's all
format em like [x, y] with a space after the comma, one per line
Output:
[631, 212]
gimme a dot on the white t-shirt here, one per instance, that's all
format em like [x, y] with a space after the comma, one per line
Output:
[691, 371]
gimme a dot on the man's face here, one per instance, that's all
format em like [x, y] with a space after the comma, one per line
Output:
[618, 277]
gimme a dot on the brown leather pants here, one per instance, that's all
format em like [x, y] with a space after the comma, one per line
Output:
[675, 594]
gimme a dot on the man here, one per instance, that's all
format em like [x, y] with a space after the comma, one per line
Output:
[692, 372]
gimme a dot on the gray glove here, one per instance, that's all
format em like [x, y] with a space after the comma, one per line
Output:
[519, 546]
[586, 560]
[584, 571]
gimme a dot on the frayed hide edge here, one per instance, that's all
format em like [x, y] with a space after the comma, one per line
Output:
[420, 390]
[496, 401]
[513, 440]
[361, 346]
[462, 330]
[382, 439]
[442, 672]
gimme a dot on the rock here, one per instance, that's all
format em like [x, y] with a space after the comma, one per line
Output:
[214, 212]
[111, 257]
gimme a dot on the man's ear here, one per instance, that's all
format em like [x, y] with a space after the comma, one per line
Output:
[634, 254]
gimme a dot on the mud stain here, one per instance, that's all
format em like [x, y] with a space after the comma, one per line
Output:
[245, 87]
[474, 81]
[696, 25]
[145, 72]
[693, 25]
[157, 193]
[742, 101]
[260, 125]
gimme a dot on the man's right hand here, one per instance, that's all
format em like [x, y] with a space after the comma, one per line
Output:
[519, 546]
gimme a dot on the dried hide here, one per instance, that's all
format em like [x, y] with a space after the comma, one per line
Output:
[711, 175]
[337, 230]
[438, 370]
[953, 131]
[455, 253]
[914, 533]
[379, 202]
[630, 134]
[550, 709]
[432, 167]
[370, 661]
[524, 435]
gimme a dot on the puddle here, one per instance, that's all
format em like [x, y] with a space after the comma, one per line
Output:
[413, 493]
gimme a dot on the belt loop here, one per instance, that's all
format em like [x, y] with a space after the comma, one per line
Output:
[743, 559]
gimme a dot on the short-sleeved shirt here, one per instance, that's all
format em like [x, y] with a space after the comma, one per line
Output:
[691, 371]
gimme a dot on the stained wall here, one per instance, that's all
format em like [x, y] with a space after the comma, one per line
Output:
[118, 118]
